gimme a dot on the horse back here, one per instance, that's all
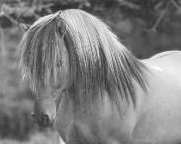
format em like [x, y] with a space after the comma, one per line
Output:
[169, 62]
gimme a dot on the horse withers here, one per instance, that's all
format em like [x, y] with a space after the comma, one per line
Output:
[93, 90]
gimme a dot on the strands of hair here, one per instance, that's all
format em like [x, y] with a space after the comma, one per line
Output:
[40, 49]
[98, 61]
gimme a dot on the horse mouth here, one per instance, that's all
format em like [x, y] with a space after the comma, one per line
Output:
[42, 120]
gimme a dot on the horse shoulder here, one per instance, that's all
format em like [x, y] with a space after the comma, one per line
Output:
[161, 104]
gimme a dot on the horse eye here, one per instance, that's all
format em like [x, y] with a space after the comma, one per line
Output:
[59, 63]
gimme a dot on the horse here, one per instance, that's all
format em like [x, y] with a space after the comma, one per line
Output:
[92, 89]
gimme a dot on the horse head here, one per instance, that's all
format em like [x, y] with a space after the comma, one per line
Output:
[44, 62]
[76, 52]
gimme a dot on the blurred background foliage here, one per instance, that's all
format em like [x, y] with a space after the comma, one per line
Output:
[146, 27]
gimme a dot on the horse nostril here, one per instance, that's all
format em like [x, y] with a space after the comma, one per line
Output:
[34, 117]
[44, 120]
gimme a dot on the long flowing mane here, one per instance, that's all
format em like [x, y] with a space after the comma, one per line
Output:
[98, 61]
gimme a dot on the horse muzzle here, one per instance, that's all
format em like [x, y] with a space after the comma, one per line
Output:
[43, 120]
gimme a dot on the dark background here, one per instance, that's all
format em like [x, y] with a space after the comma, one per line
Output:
[145, 27]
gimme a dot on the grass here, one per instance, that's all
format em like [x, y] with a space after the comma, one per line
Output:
[16, 100]
[37, 138]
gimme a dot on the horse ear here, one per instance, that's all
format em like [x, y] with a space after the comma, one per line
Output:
[24, 27]
[61, 27]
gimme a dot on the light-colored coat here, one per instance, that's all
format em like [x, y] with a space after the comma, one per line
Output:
[155, 120]
[105, 94]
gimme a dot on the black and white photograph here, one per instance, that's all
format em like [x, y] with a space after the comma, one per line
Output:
[90, 71]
